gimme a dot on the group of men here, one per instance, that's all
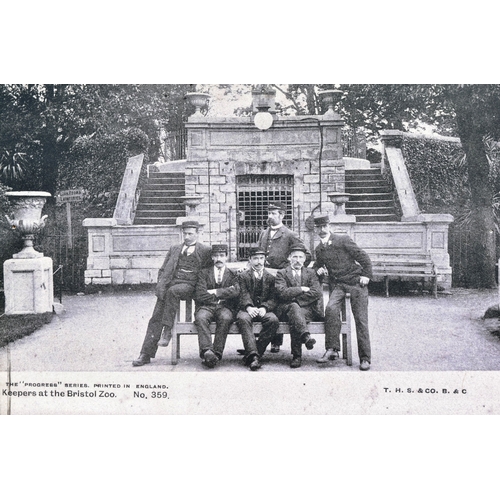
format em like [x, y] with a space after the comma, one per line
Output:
[292, 293]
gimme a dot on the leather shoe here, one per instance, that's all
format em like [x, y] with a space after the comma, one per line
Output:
[330, 355]
[255, 364]
[296, 363]
[275, 348]
[165, 338]
[364, 365]
[241, 352]
[143, 359]
[210, 359]
[309, 341]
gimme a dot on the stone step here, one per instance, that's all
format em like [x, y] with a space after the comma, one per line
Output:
[358, 202]
[159, 213]
[161, 193]
[161, 206]
[167, 175]
[358, 183]
[153, 186]
[353, 190]
[360, 175]
[149, 221]
[370, 210]
[376, 218]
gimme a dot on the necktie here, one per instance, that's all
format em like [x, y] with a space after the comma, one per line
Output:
[297, 278]
[219, 276]
[185, 252]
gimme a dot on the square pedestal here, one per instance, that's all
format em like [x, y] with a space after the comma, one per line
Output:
[28, 286]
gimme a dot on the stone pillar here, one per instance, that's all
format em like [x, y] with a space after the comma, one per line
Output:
[28, 286]
[98, 270]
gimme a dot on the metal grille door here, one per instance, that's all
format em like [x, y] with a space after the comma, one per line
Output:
[254, 193]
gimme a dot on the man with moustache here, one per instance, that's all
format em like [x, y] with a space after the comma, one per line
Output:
[216, 296]
[277, 240]
[176, 281]
[257, 303]
[348, 269]
[300, 301]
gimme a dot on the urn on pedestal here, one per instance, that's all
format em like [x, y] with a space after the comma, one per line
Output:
[27, 219]
[28, 282]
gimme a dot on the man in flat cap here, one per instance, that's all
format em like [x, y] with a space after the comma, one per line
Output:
[300, 300]
[349, 270]
[176, 281]
[216, 296]
[257, 303]
[277, 240]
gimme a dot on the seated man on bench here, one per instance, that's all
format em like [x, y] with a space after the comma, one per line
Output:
[300, 301]
[216, 296]
[349, 270]
[176, 281]
[257, 303]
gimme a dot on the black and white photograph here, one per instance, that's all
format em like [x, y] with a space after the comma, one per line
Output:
[165, 245]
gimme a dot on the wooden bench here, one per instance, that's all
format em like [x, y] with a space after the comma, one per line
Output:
[184, 326]
[403, 267]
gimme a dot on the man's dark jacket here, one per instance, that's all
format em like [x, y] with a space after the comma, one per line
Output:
[287, 290]
[345, 261]
[227, 294]
[248, 295]
[166, 273]
[278, 247]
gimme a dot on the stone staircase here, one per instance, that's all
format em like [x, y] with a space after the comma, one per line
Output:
[370, 198]
[160, 200]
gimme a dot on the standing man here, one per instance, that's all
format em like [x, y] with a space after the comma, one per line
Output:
[277, 240]
[349, 270]
[301, 301]
[217, 293]
[176, 281]
[257, 303]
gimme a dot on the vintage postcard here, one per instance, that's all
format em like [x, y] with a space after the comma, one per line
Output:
[271, 252]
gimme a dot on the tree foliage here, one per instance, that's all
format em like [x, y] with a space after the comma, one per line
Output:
[43, 126]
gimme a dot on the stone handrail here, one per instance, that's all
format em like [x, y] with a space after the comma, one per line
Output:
[129, 196]
[392, 139]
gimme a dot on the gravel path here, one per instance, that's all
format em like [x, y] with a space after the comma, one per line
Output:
[104, 332]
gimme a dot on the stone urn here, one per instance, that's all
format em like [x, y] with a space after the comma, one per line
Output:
[330, 98]
[198, 100]
[339, 200]
[191, 202]
[27, 219]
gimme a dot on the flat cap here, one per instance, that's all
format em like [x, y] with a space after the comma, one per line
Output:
[276, 205]
[257, 251]
[220, 249]
[190, 223]
[297, 248]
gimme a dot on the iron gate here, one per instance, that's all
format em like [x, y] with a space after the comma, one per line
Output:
[254, 193]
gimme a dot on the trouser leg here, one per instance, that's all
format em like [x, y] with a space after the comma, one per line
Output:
[224, 318]
[245, 326]
[270, 324]
[359, 306]
[202, 321]
[333, 320]
[277, 339]
[153, 332]
[298, 319]
[177, 292]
